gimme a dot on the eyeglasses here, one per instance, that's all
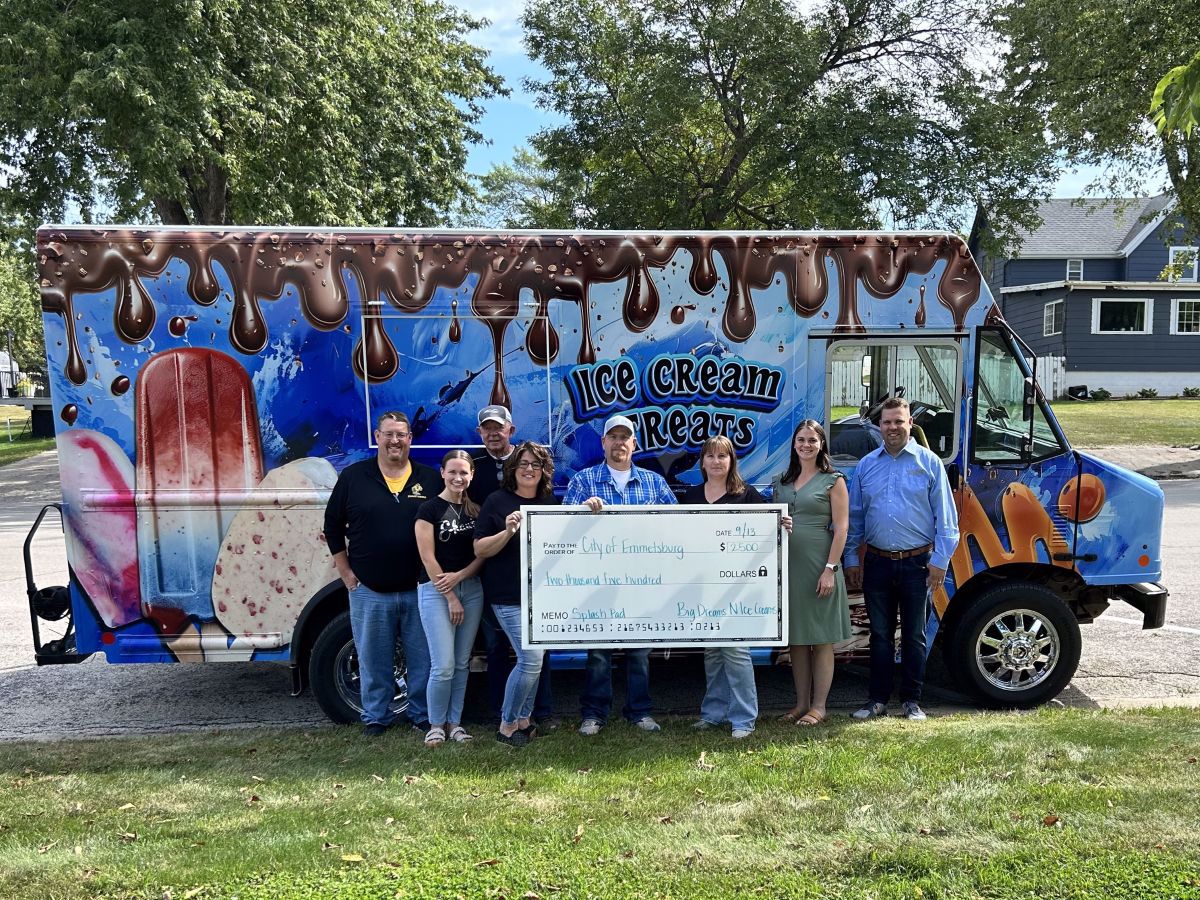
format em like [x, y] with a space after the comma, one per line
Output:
[526, 464]
[395, 435]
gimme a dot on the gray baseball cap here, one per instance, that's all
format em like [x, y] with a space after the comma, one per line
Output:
[619, 422]
[495, 414]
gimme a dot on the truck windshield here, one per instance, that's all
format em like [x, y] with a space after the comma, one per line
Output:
[1001, 430]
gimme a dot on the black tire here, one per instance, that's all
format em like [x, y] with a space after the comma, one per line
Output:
[1028, 660]
[333, 673]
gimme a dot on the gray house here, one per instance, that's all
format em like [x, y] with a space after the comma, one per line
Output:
[1085, 292]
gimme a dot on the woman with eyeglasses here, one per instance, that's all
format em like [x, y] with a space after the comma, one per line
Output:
[818, 609]
[527, 480]
[449, 595]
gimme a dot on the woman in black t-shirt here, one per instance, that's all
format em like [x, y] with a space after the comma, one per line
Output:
[528, 475]
[449, 595]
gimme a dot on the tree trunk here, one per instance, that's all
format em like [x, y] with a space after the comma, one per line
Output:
[171, 211]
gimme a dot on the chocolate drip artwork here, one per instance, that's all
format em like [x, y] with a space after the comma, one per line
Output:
[406, 271]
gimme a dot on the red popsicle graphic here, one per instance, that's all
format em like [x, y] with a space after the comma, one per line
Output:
[198, 456]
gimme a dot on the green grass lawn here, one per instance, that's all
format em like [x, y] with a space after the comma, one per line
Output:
[1113, 422]
[1059, 803]
[12, 422]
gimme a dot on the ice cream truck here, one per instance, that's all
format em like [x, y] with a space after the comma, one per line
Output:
[209, 385]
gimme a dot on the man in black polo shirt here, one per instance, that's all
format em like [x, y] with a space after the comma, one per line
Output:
[374, 507]
[496, 429]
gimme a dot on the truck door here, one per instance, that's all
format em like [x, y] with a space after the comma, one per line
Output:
[1013, 507]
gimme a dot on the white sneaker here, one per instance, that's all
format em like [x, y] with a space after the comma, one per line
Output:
[873, 710]
[590, 726]
[701, 724]
[913, 711]
[647, 724]
[742, 733]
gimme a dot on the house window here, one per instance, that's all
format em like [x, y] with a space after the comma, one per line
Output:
[1052, 318]
[1185, 317]
[1122, 316]
[1186, 258]
[1074, 270]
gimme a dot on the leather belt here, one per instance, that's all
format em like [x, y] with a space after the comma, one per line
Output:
[899, 554]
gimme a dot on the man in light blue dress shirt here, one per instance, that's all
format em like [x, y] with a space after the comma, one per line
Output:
[617, 481]
[902, 512]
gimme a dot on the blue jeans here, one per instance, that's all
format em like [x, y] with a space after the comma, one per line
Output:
[374, 620]
[596, 700]
[891, 587]
[731, 695]
[449, 647]
[496, 643]
[522, 682]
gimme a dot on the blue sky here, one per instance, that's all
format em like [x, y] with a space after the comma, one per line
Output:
[511, 121]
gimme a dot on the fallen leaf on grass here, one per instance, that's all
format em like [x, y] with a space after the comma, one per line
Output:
[125, 806]
[127, 836]
[389, 821]
[1191, 759]
[378, 777]
[47, 847]
[865, 808]
[665, 820]
[1051, 820]
[352, 857]
[627, 854]
[692, 858]
[531, 895]
[487, 862]
[338, 787]
[925, 830]
[328, 846]
[194, 892]
[699, 793]
[578, 835]
[78, 850]
[584, 771]
[257, 778]
[254, 798]
[509, 792]
[703, 764]
[411, 779]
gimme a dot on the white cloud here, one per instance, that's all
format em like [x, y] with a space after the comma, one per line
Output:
[503, 36]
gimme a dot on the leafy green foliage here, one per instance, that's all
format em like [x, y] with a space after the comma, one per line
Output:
[1090, 67]
[525, 194]
[769, 114]
[237, 111]
[20, 310]
[1176, 102]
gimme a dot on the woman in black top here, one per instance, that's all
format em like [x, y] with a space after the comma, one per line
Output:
[449, 595]
[730, 694]
[528, 475]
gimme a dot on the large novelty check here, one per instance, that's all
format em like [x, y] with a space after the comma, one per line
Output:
[643, 576]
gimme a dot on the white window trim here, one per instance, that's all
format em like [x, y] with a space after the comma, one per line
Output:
[1175, 316]
[1195, 251]
[1071, 262]
[1045, 324]
[1149, 317]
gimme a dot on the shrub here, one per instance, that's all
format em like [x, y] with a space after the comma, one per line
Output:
[1099, 394]
[1191, 392]
[1147, 393]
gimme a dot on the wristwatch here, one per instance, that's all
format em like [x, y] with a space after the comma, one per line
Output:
[832, 567]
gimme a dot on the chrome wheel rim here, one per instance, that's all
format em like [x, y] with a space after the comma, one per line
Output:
[347, 682]
[1017, 650]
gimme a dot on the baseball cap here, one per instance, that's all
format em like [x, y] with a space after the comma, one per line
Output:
[619, 422]
[495, 414]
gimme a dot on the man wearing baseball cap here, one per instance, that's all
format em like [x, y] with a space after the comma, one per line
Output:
[496, 429]
[617, 481]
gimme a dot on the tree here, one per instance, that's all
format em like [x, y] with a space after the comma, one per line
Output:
[760, 114]
[20, 310]
[237, 111]
[526, 194]
[1090, 67]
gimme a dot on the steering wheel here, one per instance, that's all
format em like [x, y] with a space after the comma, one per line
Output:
[874, 411]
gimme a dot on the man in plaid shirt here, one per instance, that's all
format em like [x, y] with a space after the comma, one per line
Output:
[617, 481]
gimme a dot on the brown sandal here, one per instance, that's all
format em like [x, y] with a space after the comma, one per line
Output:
[811, 718]
[791, 717]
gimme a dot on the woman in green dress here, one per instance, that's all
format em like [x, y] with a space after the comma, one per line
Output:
[818, 608]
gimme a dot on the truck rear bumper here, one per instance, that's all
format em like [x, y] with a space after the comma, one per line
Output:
[1148, 598]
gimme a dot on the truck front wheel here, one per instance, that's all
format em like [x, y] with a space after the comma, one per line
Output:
[1017, 646]
[333, 673]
